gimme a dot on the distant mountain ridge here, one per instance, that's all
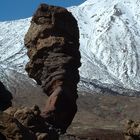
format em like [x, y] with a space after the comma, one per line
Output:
[109, 45]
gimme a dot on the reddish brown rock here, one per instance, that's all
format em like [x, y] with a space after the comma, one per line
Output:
[25, 124]
[53, 48]
[132, 131]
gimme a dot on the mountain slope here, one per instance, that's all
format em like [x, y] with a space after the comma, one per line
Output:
[110, 41]
[109, 44]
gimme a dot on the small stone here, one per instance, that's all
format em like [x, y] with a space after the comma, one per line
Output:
[42, 136]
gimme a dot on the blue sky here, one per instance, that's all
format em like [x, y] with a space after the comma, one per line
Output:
[17, 9]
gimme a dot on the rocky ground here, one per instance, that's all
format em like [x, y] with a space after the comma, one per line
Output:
[104, 117]
[99, 116]
[94, 110]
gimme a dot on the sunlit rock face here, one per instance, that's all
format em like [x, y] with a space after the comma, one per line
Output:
[25, 124]
[53, 49]
[132, 130]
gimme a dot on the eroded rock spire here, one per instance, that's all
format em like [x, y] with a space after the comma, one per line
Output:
[53, 48]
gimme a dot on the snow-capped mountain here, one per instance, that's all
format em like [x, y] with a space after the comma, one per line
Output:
[109, 45]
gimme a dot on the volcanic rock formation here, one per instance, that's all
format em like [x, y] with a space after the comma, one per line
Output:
[132, 131]
[5, 97]
[25, 124]
[53, 48]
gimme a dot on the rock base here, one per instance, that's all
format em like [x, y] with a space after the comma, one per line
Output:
[25, 124]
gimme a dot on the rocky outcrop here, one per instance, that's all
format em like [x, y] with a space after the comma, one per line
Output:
[5, 97]
[132, 131]
[53, 48]
[25, 124]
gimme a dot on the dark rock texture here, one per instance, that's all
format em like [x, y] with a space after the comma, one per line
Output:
[53, 48]
[132, 131]
[25, 124]
[5, 97]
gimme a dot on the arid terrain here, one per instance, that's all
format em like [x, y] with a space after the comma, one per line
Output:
[99, 116]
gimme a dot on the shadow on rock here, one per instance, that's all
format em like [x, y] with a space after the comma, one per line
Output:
[5, 97]
[25, 124]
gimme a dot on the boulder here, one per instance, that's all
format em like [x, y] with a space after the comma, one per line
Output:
[132, 131]
[25, 124]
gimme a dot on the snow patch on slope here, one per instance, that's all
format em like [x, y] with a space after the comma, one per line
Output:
[12, 50]
[109, 36]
